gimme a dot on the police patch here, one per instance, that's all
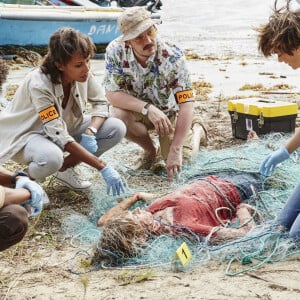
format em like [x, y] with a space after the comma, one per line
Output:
[184, 96]
[48, 114]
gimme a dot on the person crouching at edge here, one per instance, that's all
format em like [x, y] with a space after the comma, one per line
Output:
[148, 85]
[20, 197]
[281, 36]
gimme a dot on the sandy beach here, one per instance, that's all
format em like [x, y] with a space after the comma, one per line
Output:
[224, 60]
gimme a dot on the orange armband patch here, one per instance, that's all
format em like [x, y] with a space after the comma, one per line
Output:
[48, 114]
[184, 96]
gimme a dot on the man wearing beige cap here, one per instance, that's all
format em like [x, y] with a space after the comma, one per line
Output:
[149, 87]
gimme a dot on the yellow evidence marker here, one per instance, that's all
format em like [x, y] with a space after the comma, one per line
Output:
[183, 253]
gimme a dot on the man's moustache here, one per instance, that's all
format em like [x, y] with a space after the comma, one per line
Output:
[148, 46]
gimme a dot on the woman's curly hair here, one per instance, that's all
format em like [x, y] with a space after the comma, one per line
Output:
[63, 44]
[281, 33]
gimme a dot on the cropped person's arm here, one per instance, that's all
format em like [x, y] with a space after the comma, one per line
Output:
[5, 177]
[294, 143]
[15, 196]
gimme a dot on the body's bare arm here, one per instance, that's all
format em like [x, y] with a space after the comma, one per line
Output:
[124, 205]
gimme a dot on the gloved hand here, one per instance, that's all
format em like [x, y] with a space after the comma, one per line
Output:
[113, 180]
[272, 160]
[89, 142]
[36, 192]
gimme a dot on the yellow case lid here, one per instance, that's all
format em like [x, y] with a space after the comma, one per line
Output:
[264, 107]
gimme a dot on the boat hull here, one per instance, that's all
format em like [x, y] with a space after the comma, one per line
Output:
[27, 25]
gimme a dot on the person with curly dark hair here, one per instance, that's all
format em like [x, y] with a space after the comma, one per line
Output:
[281, 36]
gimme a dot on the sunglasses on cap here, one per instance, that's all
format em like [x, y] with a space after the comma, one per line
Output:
[150, 33]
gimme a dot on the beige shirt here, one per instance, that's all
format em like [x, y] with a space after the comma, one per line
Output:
[36, 109]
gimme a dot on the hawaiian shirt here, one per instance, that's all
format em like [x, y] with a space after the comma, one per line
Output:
[165, 76]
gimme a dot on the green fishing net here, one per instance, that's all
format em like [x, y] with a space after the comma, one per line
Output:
[262, 244]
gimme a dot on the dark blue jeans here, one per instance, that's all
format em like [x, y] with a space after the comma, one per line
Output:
[245, 182]
[289, 216]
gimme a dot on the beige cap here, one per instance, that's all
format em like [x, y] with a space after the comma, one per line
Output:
[134, 21]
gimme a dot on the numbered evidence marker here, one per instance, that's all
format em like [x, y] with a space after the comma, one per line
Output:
[183, 254]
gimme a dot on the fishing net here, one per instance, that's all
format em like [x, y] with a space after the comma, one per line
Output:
[262, 244]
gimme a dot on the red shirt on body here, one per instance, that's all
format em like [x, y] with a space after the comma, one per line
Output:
[196, 205]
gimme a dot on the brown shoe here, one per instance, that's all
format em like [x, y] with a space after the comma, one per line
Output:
[144, 163]
[155, 164]
[158, 165]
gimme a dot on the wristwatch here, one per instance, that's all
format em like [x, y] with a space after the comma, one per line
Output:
[15, 175]
[93, 130]
[145, 109]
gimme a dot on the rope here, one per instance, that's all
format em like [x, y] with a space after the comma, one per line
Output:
[247, 258]
[261, 247]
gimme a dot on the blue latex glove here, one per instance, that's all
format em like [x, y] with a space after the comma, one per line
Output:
[89, 142]
[36, 192]
[268, 165]
[113, 180]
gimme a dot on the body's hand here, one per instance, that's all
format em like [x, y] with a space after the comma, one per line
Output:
[268, 165]
[36, 194]
[253, 212]
[161, 122]
[174, 162]
[113, 180]
[144, 196]
[89, 142]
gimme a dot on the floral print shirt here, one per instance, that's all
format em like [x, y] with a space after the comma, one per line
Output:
[165, 75]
